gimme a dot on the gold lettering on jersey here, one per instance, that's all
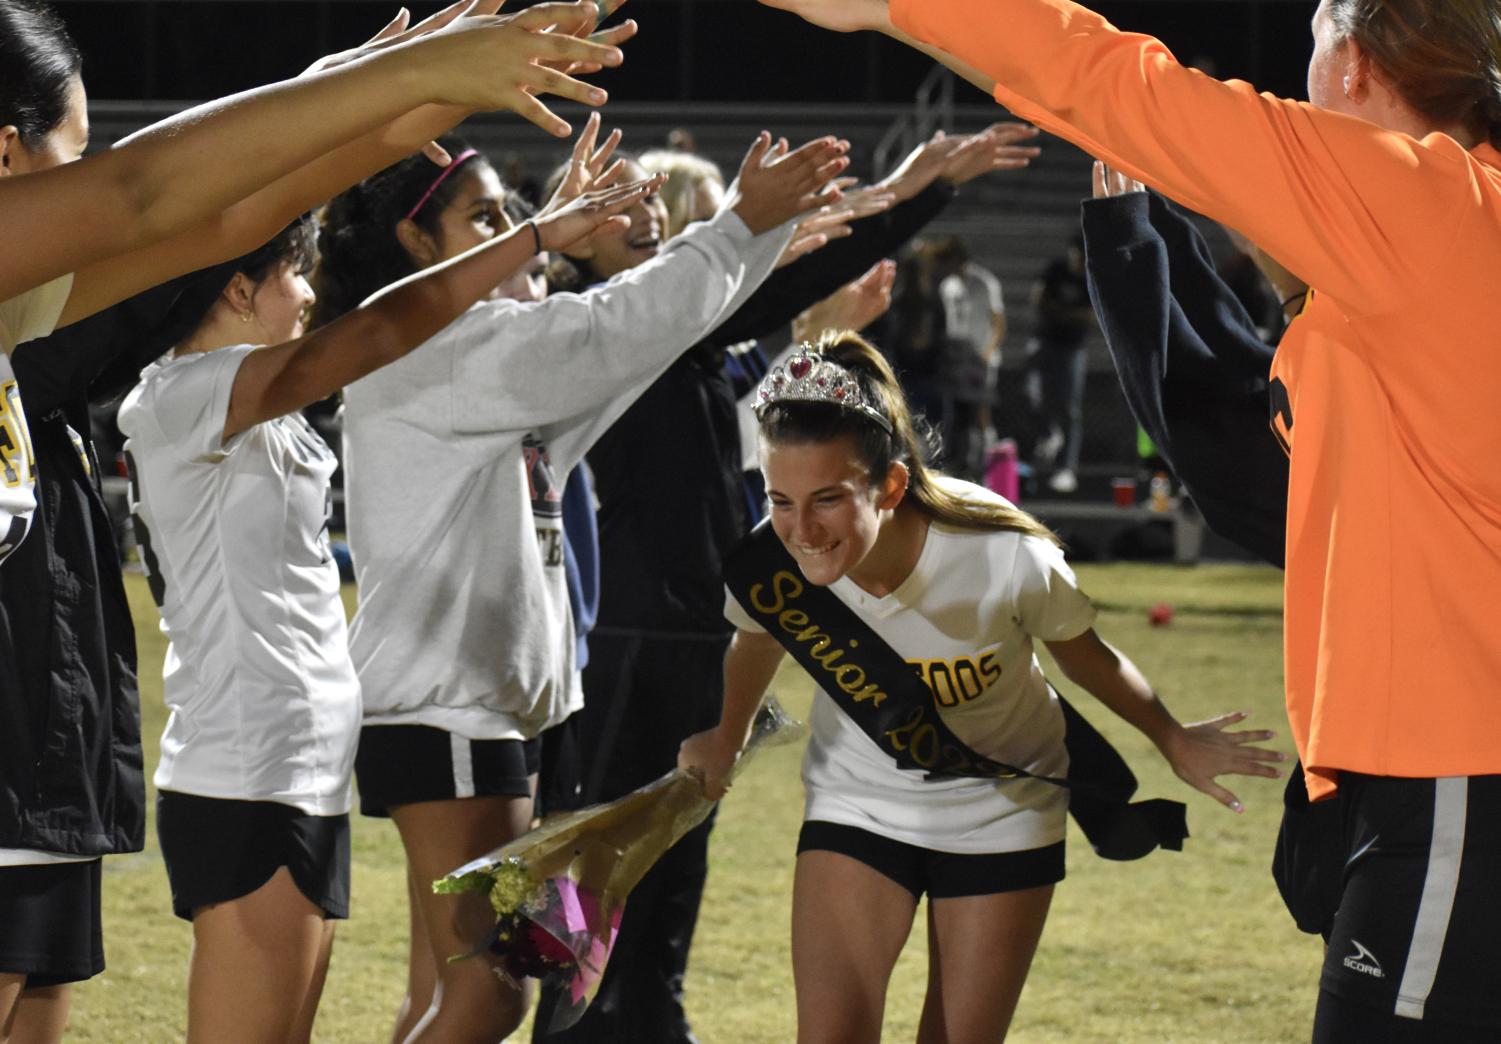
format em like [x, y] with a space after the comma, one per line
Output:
[960, 679]
[15, 440]
[848, 676]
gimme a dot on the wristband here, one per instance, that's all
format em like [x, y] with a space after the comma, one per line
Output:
[536, 236]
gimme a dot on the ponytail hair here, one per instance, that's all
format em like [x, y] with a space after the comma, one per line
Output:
[790, 421]
[357, 246]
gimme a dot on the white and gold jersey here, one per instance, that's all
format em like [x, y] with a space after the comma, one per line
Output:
[964, 620]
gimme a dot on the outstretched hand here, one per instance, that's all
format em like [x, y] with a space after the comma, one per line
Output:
[479, 60]
[487, 61]
[1205, 750]
[565, 224]
[589, 165]
[854, 306]
[832, 221]
[962, 157]
[775, 185]
[1110, 182]
[998, 147]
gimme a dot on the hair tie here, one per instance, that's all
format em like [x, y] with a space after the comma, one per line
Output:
[467, 154]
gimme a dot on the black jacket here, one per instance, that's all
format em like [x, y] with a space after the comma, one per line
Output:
[71, 773]
[668, 472]
[1193, 367]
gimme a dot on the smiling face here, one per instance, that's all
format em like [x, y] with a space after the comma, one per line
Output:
[616, 250]
[280, 302]
[824, 506]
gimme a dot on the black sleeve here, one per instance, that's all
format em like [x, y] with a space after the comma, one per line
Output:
[1191, 364]
[810, 279]
[103, 354]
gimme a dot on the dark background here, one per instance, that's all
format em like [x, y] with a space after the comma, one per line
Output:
[698, 50]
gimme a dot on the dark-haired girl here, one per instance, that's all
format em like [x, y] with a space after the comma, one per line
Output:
[463, 639]
[960, 583]
[230, 493]
[1383, 194]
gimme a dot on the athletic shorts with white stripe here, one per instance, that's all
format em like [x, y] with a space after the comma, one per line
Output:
[405, 764]
[1418, 928]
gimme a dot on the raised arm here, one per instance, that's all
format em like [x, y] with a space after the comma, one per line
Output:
[749, 665]
[255, 219]
[278, 380]
[1301, 182]
[1199, 752]
[174, 175]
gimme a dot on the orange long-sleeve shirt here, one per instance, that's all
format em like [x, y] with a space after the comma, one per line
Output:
[1387, 389]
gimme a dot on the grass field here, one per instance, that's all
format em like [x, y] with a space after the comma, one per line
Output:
[1190, 947]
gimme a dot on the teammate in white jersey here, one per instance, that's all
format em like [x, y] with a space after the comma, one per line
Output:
[230, 489]
[463, 639]
[959, 583]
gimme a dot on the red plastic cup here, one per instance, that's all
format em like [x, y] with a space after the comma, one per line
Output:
[1124, 490]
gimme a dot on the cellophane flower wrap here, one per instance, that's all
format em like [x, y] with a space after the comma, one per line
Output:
[558, 892]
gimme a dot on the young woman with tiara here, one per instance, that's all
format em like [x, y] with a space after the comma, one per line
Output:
[655, 656]
[1383, 194]
[960, 584]
[463, 639]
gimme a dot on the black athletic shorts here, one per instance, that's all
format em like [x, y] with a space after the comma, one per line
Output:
[218, 849]
[1419, 917]
[404, 764]
[50, 928]
[942, 875]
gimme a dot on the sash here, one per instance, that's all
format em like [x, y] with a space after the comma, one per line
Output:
[879, 692]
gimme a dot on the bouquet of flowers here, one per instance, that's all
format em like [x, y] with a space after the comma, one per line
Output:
[559, 891]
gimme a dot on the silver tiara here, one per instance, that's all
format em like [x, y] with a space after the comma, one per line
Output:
[809, 376]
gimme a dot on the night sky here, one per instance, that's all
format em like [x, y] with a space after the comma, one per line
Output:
[701, 50]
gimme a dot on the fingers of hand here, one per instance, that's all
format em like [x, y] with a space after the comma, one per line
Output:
[611, 175]
[394, 27]
[609, 7]
[434, 22]
[437, 153]
[807, 244]
[533, 111]
[1219, 722]
[584, 145]
[541, 17]
[1223, 796]
[604, 152]
[616, 34]
[757, 153]
[542, 80]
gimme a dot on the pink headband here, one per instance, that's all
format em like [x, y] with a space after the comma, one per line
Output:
[467, 154]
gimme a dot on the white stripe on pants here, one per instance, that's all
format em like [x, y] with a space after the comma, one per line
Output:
[1445, 853]
[463, 766]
